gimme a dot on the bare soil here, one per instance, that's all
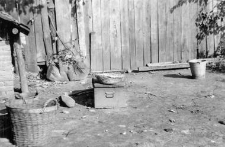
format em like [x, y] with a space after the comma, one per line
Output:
[165, 109]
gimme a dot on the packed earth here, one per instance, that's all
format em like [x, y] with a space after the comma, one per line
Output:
[165, 109]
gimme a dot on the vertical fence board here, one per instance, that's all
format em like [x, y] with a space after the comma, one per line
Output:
[193, 29]
[210, 38]
[74, 27]
[177, 33]
[115, 35]
[132, 35]
[154, 31]
[125, 34]
[185, 32]
[170, 32]
[146, 30]
[96, 43]
[63, 19]
[139, 31]
[105, 20]
[216, 37]
[39, 34]
[162, 30]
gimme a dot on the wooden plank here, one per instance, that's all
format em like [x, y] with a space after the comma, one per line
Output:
[87, 38]
[185, 33]
[154, 31]
[210, 38]
[51, 14]
[170, 32]
[177, 32]
[74, 35]
[162, 22]
[192, 27]
[164, 66]
[132, 45]
[41, 54]
[63, 19]
[147, 31]
[105, 20]
[125, 34]
[96, 43]
[46, 30]
[81, 27]
[216, 37]
[139, 32]
[115, 35]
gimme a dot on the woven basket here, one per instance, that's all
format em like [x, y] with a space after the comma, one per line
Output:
[109, 78]
[31, 122]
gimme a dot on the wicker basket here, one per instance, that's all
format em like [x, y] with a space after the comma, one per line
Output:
[31, 122]
[109, 78]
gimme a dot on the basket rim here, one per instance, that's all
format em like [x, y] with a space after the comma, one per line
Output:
[30, 110]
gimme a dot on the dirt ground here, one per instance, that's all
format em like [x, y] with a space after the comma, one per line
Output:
[165, 109]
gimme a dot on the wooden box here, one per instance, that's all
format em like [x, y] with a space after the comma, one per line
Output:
[110, 96]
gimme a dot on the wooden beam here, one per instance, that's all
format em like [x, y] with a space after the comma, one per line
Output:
[164, 66]
[21, 67]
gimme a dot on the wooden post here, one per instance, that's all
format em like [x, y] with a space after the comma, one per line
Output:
[21, 67]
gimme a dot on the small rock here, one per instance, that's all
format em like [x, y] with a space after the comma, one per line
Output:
[170, 130]
[106, 131]
[83, 116]
[124, 133]
[4, 140]
[92, 110]
[68, 101]
[65, 112]
[171, 110]
[122, 126]
[186, 131]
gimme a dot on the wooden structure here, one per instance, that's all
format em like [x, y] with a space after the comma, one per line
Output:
[112, 34]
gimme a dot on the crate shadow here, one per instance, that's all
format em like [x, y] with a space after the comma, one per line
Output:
[83, 97]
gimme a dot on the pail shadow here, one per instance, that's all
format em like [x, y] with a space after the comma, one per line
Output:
[178, 76]
[5, 125]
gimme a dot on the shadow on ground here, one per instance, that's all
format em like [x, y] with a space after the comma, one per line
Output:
[83, 97]
[178, 76]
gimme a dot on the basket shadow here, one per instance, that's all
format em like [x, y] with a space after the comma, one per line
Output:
[5, 127]
[83, 97]
[178, 76]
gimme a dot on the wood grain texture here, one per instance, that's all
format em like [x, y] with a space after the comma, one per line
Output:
[105, 21]
[41, 54]
[177, 33]
[132, 44]
[192, 27]
[147, 31]
[124, 34]
[63, 19]
[115, 35]
[185, 33]
[169, 57]
[96, 36]
[154, 32]
[162, 26]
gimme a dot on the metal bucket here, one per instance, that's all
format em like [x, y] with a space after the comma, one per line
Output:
[198, 68]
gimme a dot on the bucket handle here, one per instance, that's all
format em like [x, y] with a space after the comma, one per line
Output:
[48, 101]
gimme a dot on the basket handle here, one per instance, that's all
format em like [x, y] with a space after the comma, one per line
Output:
[49, 100]
[46, 103]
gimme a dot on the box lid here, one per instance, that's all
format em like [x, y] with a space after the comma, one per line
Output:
[99, 85]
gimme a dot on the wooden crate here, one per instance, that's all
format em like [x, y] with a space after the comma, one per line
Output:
[110, 96]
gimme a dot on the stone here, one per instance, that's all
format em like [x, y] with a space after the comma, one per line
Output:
[68, 101]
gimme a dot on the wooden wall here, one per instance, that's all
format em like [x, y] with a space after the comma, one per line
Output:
[127, 34]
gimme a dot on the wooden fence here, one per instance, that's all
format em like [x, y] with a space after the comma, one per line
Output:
[114, 34]
[127, 34]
